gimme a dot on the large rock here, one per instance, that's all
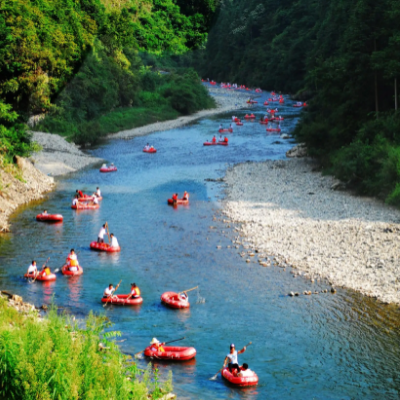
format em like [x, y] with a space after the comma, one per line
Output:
[297, 151]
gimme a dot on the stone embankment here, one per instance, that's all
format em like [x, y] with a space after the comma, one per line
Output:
[286, 210]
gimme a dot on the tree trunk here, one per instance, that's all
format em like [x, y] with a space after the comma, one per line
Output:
[376, 88]
[395, 94]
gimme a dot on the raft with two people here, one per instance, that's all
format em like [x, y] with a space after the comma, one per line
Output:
[175, 200]
[229, 130]
[273, 129]
[251, 116]
[87, 197]
[71, 266]
[45, 275]
[160, 351]
[111, 168]
[134, 298]
[149, 149]
[111, 247]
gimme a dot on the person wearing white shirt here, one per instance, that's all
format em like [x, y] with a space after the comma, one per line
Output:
[100, 236]
[232, 358]
[32, 269]
[114, 241]
[94, 200]
[147, 147]
[75, 201]
[108, 291]
[245, 372]
[98, 193]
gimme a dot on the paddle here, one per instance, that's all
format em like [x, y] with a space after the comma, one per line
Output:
[108, 233]
[44, 265]
[110, 297]
[189, 290]
[216, 375]
[171, 341]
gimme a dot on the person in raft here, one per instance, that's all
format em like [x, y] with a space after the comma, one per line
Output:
[226, 140]
[183, 296]
[75, 201]
[156, 345]
[97, 193]
[175, 197]
[79, 193]
[135, 291]
[44, 212]
[46, 270]
[185, 196]
[114, 241]
[245, 371]
[147, 147]
[100, 236]
[108, 291]
[220, 126]
[232, 358]
[32, 269]
[221, 139]
[72, 261]
[94, 200]
[214, 139]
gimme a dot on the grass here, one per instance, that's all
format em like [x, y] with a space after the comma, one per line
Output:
[57, 359]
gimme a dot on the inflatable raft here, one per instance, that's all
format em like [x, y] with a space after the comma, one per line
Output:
[266, 103]
[179, 201]
[83, 206]
[215, 144]
[251, 380]
[104, 247]
[153, 150]
[42, 277]
[65, 270]
[122, 299]
[273, 129]
[252, 116]
[88, 198]
[230, 130]
[173, 300]
[49, 218]
[109, 169]
[172, 353]
[239, 123]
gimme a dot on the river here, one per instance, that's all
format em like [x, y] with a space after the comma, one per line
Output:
[341, 346]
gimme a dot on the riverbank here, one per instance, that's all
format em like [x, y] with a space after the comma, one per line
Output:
[20, 184]
[286, 210]
[227, 100]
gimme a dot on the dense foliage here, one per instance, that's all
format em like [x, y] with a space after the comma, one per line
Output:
[345, 55]
[57, 359]
[77, 60]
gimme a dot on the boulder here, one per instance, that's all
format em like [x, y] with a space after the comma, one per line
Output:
[297, 151]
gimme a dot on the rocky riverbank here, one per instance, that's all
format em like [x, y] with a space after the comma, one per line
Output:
[227, 100]
[286, 210]
[20, 184]
[58, 156]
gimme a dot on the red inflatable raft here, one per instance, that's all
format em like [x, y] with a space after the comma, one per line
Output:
[122, 299]
[266, 103]
[65, 270]
[41, 277]
[88, 198]
[49, 218]
[172, 353]
[239, 123]
[179, 201]
[215, 144]
[173, 300]
[109, 169]
[251, 380]
[252, 116]
[230, 130]
[104, 247]
[273, 129]
[83, 206]
[297, 105]
[151, 150]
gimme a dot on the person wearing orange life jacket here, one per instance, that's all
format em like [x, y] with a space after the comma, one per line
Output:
[157, 346]
[79, 193]
[185, 196]
[45, 271]
[175, 197]
[214, 139]
[226, 140]
[72, 261]
[135, 291]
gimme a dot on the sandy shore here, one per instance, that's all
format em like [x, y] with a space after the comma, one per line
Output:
[284, 209]
[58, 156]
[227, 100]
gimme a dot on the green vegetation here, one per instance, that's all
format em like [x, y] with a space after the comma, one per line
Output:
[57, 359]
[77, 61]
[344, 56]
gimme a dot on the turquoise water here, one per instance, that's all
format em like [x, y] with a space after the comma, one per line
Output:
[341, 346]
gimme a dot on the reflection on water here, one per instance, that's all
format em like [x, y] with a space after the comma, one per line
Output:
[325, 346]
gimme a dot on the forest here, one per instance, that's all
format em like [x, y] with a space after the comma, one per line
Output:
[80, 64]
[341, 56]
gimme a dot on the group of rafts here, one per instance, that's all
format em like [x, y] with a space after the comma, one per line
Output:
[232, 371]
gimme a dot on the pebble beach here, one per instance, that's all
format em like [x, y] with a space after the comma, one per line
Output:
[285, 210]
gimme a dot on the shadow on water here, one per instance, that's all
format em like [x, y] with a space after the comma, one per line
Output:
[341, 346]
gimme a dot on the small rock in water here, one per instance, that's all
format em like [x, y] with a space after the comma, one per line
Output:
[248, 260]
[333, 290]
[291, 294]
[218, 247]
[296, 294]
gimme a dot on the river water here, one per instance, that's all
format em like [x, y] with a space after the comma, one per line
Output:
[341, 346]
